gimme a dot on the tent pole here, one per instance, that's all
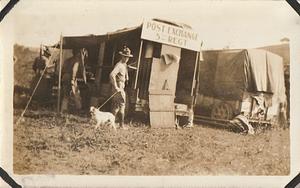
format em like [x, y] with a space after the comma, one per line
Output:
[197, 81]
[195, 70]
[113, 56]
[138, 65]
[41, 50]
[59, 74]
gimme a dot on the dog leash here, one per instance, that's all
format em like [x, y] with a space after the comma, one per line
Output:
[108, 99]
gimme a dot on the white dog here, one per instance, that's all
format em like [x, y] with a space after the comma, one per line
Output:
[102, 118]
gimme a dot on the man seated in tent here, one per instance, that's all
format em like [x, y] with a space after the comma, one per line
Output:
[73, 79]
[118, 77]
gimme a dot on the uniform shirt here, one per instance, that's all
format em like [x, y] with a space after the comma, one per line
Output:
[68, 65]
[119, 75]
[74, 66]
[40, 63]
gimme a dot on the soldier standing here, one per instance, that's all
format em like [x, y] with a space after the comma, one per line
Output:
[118, 77]
[73, 76]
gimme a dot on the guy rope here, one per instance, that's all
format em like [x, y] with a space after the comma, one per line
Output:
[33, 92]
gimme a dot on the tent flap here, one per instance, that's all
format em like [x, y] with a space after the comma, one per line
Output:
[276, 83]
[258, 64]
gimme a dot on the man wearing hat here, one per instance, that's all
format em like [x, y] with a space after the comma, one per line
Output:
[43, 65]
[41, 61]
[118, 77]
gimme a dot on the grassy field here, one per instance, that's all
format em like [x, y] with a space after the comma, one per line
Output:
[45, 144]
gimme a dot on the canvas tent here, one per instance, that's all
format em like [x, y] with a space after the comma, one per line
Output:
[233, 77]
[163, 51]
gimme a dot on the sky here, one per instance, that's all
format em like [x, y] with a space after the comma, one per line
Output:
[233, 24]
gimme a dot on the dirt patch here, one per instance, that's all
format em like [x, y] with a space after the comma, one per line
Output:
[46, 144]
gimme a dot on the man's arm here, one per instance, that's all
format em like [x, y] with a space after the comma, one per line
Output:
[112, 77]
[126, 75]
[74, 73]
[75, 70]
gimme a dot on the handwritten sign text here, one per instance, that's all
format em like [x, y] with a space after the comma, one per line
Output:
[172, 35]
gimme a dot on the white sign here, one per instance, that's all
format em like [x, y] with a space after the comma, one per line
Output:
[172, 35]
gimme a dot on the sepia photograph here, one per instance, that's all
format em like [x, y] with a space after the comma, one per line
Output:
[150, 89]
